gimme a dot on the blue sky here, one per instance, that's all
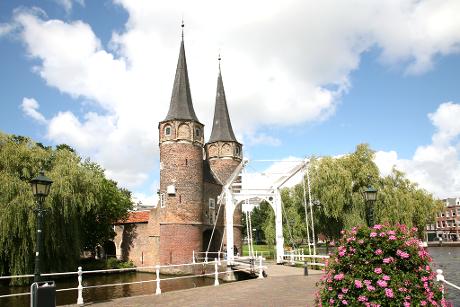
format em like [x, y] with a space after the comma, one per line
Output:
[302, 78]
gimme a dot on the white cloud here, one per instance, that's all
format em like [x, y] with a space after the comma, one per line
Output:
[284, 63]
[67, 5]
[6, 28]
[436, 167]
[30, 107]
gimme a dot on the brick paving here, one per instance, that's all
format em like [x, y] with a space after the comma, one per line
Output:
[284, 286]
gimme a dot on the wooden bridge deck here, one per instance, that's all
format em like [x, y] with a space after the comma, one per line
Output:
[284, 286]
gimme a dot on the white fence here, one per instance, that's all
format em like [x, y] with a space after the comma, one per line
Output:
[297, 257]
[157, 280]
[440, 277]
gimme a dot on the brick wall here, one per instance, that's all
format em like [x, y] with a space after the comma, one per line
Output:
[178, 241]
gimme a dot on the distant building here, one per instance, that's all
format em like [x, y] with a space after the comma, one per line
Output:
[447, 225]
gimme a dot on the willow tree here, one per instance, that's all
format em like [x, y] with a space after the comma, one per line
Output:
[338, 185]
[81, 206]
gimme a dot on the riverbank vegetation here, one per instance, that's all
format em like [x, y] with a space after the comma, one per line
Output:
[81, 207]
[337, 185]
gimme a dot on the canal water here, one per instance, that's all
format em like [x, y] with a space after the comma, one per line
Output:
[106, 293]
[445, 258]
[448, 260]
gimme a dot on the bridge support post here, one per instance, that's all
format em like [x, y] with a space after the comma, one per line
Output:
[216, 274]
[229, 208]
[80, 286]
[158, 290]
[278, 227]
[261, 268]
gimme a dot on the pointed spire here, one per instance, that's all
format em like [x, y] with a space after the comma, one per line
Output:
[181, 106]
[222, 127]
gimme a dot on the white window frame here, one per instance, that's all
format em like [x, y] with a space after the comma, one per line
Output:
[162, 200]
[212, 204]
[166, 130]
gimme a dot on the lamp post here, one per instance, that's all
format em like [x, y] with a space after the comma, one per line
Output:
[370, 196]
[40, 188]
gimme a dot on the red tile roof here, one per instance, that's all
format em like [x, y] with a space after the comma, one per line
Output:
[136, 217]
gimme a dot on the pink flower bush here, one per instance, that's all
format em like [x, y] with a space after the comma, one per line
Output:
[379, 266]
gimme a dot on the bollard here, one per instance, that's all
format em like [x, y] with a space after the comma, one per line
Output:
[158, 290]
[193, 255]
[261, 268]
[292, 257]
[80, 286]
[305, 268]
[218, 258]
[216, 274]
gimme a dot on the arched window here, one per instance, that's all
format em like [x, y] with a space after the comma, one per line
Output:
[167, 130]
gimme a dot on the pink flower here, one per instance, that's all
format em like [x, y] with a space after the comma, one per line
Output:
[358, 283]
[344, 302]
[382, 234]
[378, 252]
[388, 260]
[330, 288]
[423, 303]
[373, 234]
[378, 270]
[361, 241]
[386, 277]
[382, 283]
[406, 304]
[402, 289]
[389, 293]
[367, 282]
[344, 290]
[402, 254]
[331, 301]
[362, 298]
[391, 232]
[340, 296]
[339, 276]
[342, 253]
[370, 288]
[378, 226]
[392, 238]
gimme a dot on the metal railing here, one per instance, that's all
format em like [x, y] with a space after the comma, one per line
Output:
[440, 278]
[298, 257]
[157, 280]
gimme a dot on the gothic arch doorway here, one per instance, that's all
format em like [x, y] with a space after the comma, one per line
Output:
[216, 240]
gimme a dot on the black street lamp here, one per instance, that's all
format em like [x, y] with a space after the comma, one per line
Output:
[40, 188]
[370, 196]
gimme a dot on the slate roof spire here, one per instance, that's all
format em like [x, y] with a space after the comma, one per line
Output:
[221, 127]
[181, 106]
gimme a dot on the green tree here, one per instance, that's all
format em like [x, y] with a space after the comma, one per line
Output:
[81, 206]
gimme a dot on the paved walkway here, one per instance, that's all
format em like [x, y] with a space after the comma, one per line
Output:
[284, 286]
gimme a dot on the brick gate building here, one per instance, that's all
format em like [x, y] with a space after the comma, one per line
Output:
[192, 174]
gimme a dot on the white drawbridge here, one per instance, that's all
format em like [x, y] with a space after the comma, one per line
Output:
[248, 187]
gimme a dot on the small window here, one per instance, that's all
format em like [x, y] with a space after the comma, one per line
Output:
[237, 150]
[197, 132]
[168, 130]
[212, 203]
[162, 200]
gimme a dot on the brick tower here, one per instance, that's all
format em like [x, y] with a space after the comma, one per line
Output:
[181, 173]
[223, 151]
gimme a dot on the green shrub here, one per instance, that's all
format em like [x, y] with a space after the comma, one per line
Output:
[379, 266]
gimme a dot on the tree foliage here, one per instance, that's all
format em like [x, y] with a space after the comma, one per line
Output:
[81, 206]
